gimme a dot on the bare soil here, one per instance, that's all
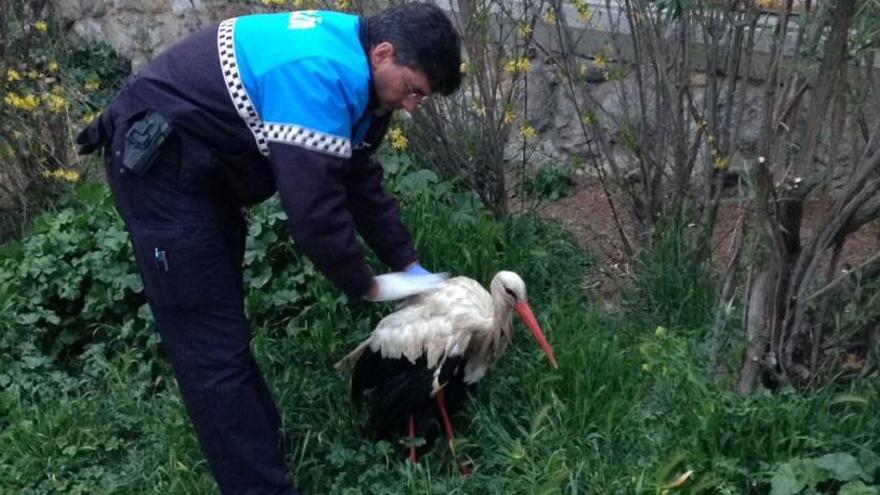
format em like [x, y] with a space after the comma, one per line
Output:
[588, 215]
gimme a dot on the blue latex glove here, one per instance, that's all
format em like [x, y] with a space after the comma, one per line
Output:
[417, 269]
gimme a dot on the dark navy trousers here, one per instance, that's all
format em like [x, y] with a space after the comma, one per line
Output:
[188, 239]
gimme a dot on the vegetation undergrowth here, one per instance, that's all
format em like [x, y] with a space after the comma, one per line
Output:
[88, 403]
[49, 90]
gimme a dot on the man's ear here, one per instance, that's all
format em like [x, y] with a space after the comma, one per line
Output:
[382, 53]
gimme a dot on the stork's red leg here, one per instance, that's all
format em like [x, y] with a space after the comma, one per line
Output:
[465, 467]
[412, 439]
[441, 401]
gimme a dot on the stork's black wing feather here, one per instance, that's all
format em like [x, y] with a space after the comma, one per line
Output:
[396, 389]
[366, 375]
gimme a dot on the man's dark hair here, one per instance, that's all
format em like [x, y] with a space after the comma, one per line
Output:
[424, 39]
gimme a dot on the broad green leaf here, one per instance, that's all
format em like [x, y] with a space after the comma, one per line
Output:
[858, 488]
[786, 482]
[842, 466]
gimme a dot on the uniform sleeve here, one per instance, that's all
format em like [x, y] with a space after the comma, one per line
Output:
[313, 193]
[377, 215]
[308, 111]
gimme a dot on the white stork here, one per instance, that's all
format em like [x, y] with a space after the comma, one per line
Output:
[422, 359]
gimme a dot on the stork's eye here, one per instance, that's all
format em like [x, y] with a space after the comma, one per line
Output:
[510, 292]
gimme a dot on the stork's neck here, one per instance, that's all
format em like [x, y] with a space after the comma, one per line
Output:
[502, 318]
[487, 345]
[493, 340]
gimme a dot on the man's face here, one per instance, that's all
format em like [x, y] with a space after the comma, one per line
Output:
[397, 87]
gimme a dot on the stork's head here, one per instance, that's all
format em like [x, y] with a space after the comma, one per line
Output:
[512, 290]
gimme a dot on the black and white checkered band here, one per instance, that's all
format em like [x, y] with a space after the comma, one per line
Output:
[265, 132]
[308, 138]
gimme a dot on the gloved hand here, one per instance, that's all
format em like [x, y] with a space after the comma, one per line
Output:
[400, 285]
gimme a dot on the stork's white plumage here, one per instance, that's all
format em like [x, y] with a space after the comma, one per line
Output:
[437, 345]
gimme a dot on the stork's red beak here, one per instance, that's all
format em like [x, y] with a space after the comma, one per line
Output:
[525, 312]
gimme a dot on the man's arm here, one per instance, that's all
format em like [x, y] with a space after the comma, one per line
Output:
[313, 194]
[377, 215]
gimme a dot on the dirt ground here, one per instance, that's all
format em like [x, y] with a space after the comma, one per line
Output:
[588, 214]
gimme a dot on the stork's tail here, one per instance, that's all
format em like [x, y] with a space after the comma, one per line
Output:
[348, 362]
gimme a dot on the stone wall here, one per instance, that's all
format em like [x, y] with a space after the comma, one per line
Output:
[140, 29]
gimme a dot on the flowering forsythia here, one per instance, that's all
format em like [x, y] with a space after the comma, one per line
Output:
[398, 139]
[527, 131]
[27, 103]
[518, 65]
[62, 174]
[583, 10]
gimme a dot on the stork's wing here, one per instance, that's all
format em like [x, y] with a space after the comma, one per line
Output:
[437, 325]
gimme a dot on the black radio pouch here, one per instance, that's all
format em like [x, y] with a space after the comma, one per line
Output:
[143, 141]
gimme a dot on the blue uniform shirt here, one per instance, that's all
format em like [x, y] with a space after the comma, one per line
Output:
[313, 55]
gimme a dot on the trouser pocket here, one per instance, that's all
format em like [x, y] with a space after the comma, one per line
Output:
[183, 265]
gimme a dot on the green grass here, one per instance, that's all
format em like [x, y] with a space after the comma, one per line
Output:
[88, 404]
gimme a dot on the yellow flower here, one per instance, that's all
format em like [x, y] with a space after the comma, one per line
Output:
[62, 174]
[27, 103]
[31, 102]
[480, 109]
[527, 131]
[721, 162]
[398, 139]
[463, 68]
[583, 10]
[550, 17]
[12, 75]
[343, 4]
[600, 61]
[89, 118]
[41, 26]
[518, 65]
[273, 2]
[525, 30]
[53, 66]
[765, 4]
[33, 75]
[57, 103]
[92, 86]
[509, 117]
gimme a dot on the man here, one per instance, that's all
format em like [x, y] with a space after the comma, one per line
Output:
[293, 102]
